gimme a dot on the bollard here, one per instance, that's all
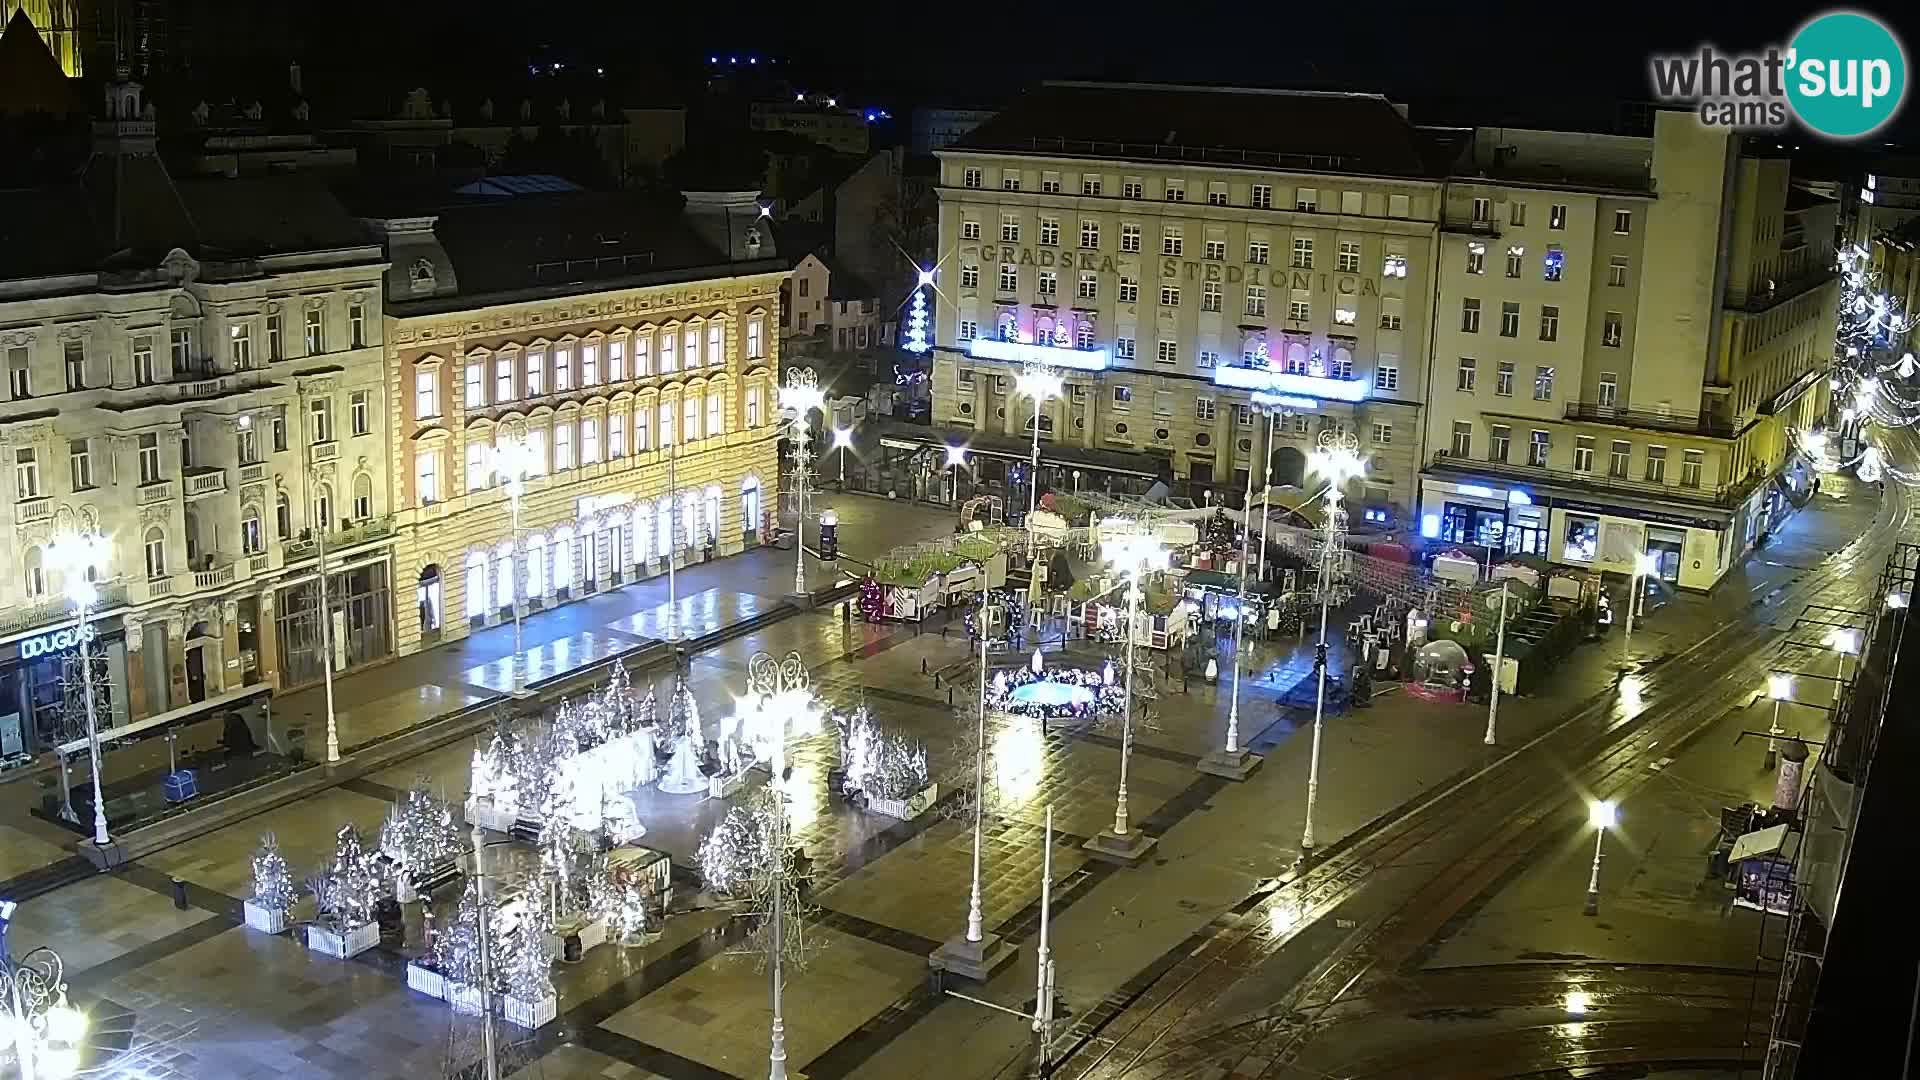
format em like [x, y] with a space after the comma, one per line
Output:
[949, 696]
[179, 894]
[936, 680]
[923, 665]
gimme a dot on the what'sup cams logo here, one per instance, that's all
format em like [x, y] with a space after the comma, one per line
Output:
[1844, 75]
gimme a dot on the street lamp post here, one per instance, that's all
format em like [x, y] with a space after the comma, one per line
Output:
[673, 543]
[1845, 642]
[309, 472]
[1602, 815]
[1135, 550]
[1041, 384]
[1499, 664]
[1779, 688]
[1233, 762]
[79, 556]
[1266, 487]
[1644, 565]
[44, 1030]
[490, 1057]
[1336, 460]
[956, 457]
[511, 462]
[800, 395]
[843, 441]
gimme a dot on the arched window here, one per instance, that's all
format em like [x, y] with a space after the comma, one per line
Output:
[322, 506]
[156, 553]
[537, 566]
[36, 575]
[713, 514]
[282, 516]
[1296, 359]
[476, 584]
[503, 576]
[362, 497]
[750, 505]
[427, 596]
[253, 539]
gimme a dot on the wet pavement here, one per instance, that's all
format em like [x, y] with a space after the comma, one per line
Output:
[216, 1000]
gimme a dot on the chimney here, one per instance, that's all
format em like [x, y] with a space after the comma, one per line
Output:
[733, 222]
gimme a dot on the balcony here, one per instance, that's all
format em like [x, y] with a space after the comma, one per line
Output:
[113, 594]
[307, 546]
[205, 481]
[1704, 425]
[160, 586]
[1277, 381]
[29, 511]
[323, 451]
[253, 474]
[1723, 496]
[158, 491]
[1471, 227]
[220, 570]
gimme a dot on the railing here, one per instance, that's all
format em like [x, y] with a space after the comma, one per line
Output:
[307, 546]
[160, 586]
[259, 564]
[324, 451]
[28, 511]
[1783, 290]
[157, 492]
[1722, 495]
[1177, 152]
[13, 619]
[214, 578]
[1704, 424]
[1471, 226]
[211, 482]
[253, 474]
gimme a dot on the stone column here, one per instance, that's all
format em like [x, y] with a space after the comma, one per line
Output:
[268, 633]
[232, 671]
[137, 706]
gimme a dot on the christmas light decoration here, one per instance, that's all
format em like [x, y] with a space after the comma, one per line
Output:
[873, 600]
[272, 878]
[420, 833]
[347, 892]
[1097, 693]
[878, 763]
[917, 342]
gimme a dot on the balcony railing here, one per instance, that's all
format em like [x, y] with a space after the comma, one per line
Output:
[20, 617]
[28, 511]
[206, 482]
[222, 572]
[324, 451]
[157, 492]
[253, 474]
[1722, 495]
[1702, 424]
[308, 546]
[1471, 226]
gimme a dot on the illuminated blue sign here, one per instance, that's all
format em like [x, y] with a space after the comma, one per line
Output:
[55, 641]
[1020, 352]
[1284, 382]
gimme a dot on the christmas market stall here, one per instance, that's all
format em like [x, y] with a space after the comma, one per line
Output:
[909, 583]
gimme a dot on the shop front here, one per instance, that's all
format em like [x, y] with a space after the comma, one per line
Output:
[360, 602]
[41, 703]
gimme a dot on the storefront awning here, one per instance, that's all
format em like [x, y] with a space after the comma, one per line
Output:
[154, 725]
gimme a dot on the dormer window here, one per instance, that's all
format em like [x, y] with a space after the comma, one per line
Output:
[421, 275]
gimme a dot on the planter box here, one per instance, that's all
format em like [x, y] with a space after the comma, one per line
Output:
[531, 1014]
[343, 944]
[464, 998]
[592, 932]
[726, 787]
[265, 919]
[427, 981]
[905, 809]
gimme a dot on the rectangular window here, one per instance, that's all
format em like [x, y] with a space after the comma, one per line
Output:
[360, 411]
[19, 372]
[149, 458]
[590, 361]
[426, 475]
[1498, 442]
[1171, 240]
[280, 428]
[1609, 388]
[1538, 449]
[1050, 183]
[689, 418]
[316, 331]
[1009, 277]
[1549, 323]
[669, 353]
[616, 361]
[1169, 296]
[357, 324]
[1169, 352]
[239, 346]
[1622, 222]
[156, 553]
[1299, 306]
[1543, 383]
[1123, 348]
[143, 361]
[716, 414]
[80, 463]
[1163, 403]
[1610, 330]
[1089, 287]
[1656, 464]
[1583, 453]
[642, 355]
[1353, 202]
[969, 230]
[1090, 186]
[1306, 200]
[1476, 258]
[1462, 439]
[1009, 229]
[1515, 256]
[320, 415]
[1256, 300]
[616, 435]
[1122, 397]
[1010, 180]
[969, 329]
[1129, 237]
[275, 338]
[1133, 188]
[1303, 253]
[1394, 263]
[1557, 216]
[690, 357]
[1482, 210]
[1216, 194]
[1203, 408]
[537, 459]
[475, 378]
[1260, 196]
[26, 475]
[479, 470]
[1089, 234]
[1210, 293]
[1503, 379]
[1383, 434]
[1516, 213]
[1258, 252]
[1399, 205]
[1692, 463]
[1129, 291]
[1214, 251]
[1390, 312]
[1509, 320]
[1050, 232]
[562, 447]
[1617, 271]
[1554, 263]
[1345, 316]
[1049, 283]
[970, 178]
[642, 424]
[426, 394]
[536, 374]
[969, 276]
[1470, 316]
[1176, 191]
[1386, 376]
[1083, 336]
[1349, 257]
[1619, 458]
[1467, 374]
[503, 380]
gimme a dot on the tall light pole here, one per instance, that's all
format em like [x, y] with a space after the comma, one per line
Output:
[1845, 642]
[1779, 688]
[511, 461]
[1499, 665]
[1039, 383]
[800, 395]
[45, 1031]
[1135, 550]
[843, 441]
[1274, 415]
[673, 542]
[956, 457]
[482, 917]
[1336, 460]
[1602, 815]
[309, 472]
[1233, 762]
[1644, 565]
[80, 556]
[977, 954]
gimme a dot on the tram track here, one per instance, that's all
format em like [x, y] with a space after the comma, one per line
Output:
[1509, 807]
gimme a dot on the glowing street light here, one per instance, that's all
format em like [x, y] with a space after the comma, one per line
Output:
[511, 461]
[79, 557]
[1779, 688]
[1233, 761]
[1136, 551]
[1645, 565]
[1602, 815]
[1041, 384]
[956, 457]
[1845, 642]
[1337, 461]
[801, 395]
[843, 441]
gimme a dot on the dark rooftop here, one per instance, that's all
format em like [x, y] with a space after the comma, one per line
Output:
[1354, 133]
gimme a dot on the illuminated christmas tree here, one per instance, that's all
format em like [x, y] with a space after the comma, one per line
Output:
[917, 323]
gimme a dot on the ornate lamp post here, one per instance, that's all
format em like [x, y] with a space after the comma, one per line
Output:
[44, 1031]
[311, 471]
[1234, 762]
[1135, 550]
[511, 461]
[800, 395]
[1038, 382]
[80, 556]
[843, 441]
[1336, 460]
[1603, 816]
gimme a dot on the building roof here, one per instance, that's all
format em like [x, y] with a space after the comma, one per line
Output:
[1320, 132]
[1799, 198]
[30, 78]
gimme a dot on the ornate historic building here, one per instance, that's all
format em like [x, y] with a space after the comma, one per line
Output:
[627, 348]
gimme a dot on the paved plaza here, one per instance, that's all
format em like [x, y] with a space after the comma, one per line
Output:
[214, 1000]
